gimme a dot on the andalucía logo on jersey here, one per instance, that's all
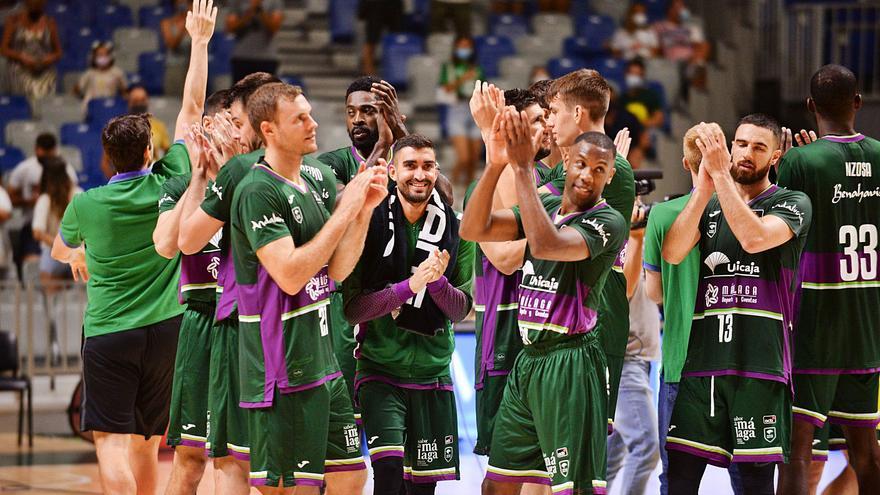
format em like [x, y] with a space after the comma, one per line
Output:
[259, 224]
[165, 198]
[792, 208]
[600, 229]
[715, 259]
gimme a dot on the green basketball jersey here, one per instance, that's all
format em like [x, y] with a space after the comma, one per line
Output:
[559, 299]
[284, 340]
[744, 307]
[344, 162]
[198, 272]
[130, 285]
[838, 321]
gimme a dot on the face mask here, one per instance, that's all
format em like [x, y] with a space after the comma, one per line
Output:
[139, 108]
[640, 19]
[103, 61]
[634, 81]
[463, 53]
[684, 15]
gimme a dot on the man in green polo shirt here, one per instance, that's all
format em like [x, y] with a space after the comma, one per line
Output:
[133, 316]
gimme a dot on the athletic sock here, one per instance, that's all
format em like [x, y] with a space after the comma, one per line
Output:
[420, 488]
[685, 473]
[757, 478]
[388, 476]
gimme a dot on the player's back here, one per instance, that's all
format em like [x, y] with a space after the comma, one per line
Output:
[838, 322]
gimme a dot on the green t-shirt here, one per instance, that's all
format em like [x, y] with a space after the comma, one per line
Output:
[679, 286]
[198, 272]
[409, 357]
[743, 313]
[838, 323]
[343, 162]
[130, 285]
[560, 299]
[285, 339]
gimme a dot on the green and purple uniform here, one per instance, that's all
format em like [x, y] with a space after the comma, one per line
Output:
[734, 401]
[551, 425]
[197, 291]
[299, 413]
[837, 330]
[344, 162]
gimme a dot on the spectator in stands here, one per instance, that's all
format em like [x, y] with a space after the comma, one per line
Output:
[30, 43]
[682, 40]
[176, 43]
[459, 11]
[379, 16]
[24, 188]
[539, 73]
[618, 118]
[5, 215]
[254, 24]
[635, 38]
[139, 102]
[57, 191]
[639, 99]
[457, 78]
[103, 79]
[560, 6]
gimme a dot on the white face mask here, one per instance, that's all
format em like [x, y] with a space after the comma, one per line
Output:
[640, 19]
[103, 61]
[634, 81]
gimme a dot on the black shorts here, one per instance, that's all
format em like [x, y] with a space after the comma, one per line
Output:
[381, 15]
[127, 379]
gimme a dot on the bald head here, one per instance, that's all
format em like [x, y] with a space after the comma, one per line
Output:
[834, 92]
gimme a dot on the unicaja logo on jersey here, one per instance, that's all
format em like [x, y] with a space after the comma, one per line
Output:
[259, 224]
[218, 190]
[715, 259]
[711, 295]
[164, 199]
[213, 266]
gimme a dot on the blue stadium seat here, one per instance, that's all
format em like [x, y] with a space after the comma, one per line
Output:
[151, 67]
[109, 17]
[610, 68]
[13, 107]
[656, 9]
[88, 140]
[101, 110]
[577, 47]
[293, 80]
[490, 51]
[150, 16]
[558, 67]
[342, 20]
[221, 48]
[580, 8]
[10, 156]
[418, 20]
[597, 29]
[77, 46]
[512, 26]
[397, 48]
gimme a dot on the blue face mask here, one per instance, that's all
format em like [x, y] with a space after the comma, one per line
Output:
[463, 53]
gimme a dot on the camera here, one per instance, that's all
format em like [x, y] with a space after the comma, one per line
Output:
[645, 185]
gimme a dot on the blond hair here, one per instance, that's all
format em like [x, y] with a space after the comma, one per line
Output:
[692, 154]
[263, 103]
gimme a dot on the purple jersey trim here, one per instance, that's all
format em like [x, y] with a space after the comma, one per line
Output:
[550, 187]
[767, 192]
[453, 302]
[856, 423]
[845, 139]
[818, 423]
[198, 444]
[430, 479]
[835, 371]
[365, 307]
[744, 374]
[535, 480]
[713, 458]
[825, 268]
[227, 301]
[387, 453]
[403, 290]
[819, 458]
[758, 458]
[345, 467]
[68, 244]
[650, 267]
[311, 385]
[499, 372]
[239, 456]
[129, 175]
[358, 382]
[492, 289]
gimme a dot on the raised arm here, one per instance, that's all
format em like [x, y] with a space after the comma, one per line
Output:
[632, 262]
[200, 26]
[351, 245]
[685, 231]
[756, 234]
[166, 232]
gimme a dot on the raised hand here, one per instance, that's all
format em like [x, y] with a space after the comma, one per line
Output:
[496, 144]
[389, 109]
[378, 189]
[716, 157]
[440, 262]
[200, 20]
[804, 138]
[485, 104]
[622, 142]
[386, 134]
[522, 142]
[194, 148]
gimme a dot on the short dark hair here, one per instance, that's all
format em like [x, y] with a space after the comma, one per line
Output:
[833, 88]
[247, 85]
[764, 121]
[135, 86]
[125, 139]
[263, 104]
[542, 91]
[636, 61]
[364, 83]
[598, 139]
[587, 88]
[415, 141]
[46, 141]
[217, 102]
[519, 98]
